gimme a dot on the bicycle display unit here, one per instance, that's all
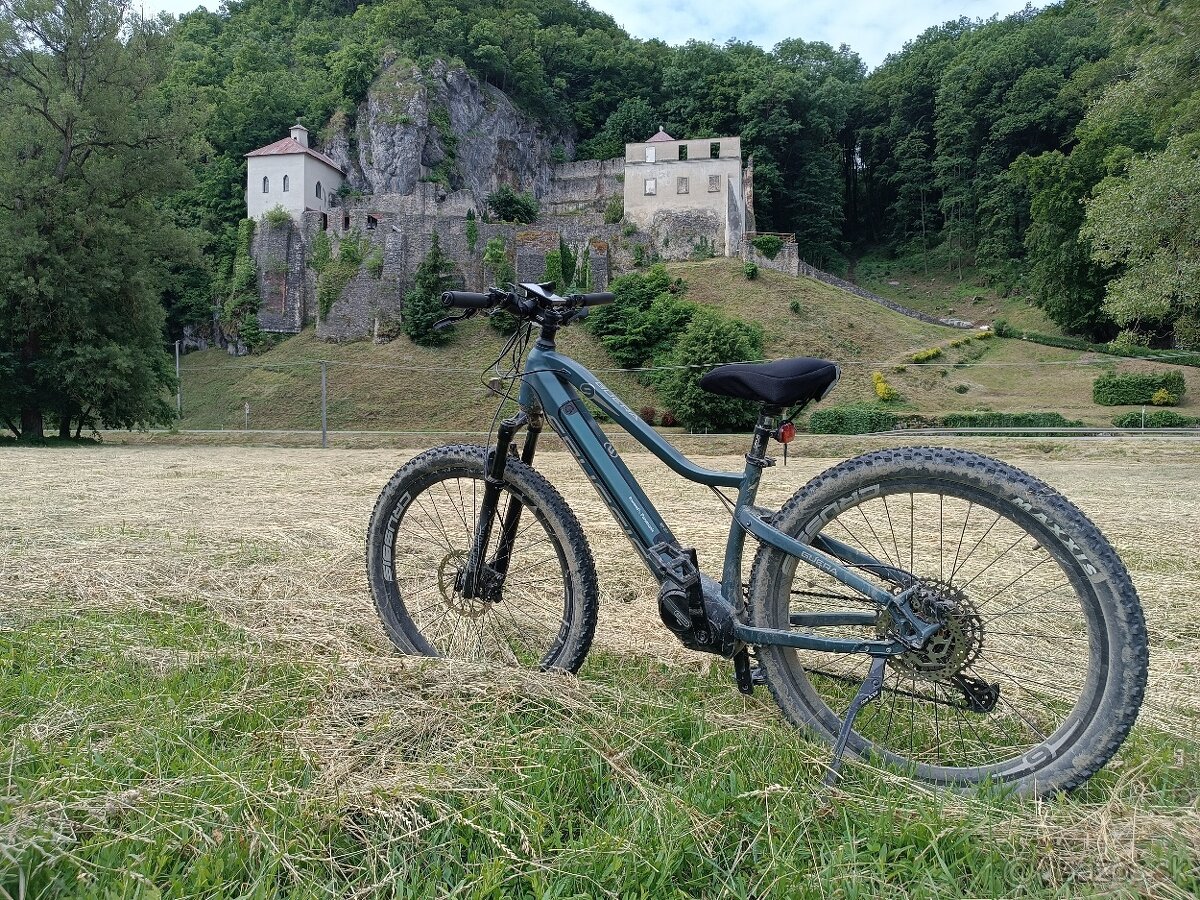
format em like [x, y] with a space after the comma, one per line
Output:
[930, 610]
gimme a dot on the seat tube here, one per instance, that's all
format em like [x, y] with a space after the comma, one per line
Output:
[756, 461]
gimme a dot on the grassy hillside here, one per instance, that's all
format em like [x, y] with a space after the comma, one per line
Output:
[940, 290]
[393, 386]
[864, 337]
[400, 386]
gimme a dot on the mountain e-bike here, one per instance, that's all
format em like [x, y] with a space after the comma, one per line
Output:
[930, 610]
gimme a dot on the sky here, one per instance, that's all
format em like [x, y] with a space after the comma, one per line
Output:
[872, 28]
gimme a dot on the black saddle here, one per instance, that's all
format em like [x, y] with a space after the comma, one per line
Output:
[784, 382]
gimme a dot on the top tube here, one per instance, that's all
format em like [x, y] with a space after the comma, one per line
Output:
[594, 389]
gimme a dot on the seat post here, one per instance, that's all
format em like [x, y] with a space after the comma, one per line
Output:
[763, 430]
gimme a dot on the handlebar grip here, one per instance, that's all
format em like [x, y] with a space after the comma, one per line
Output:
[466, 300]
[596, 299]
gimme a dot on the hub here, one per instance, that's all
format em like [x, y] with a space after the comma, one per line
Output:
[450, 576]
[956, 643]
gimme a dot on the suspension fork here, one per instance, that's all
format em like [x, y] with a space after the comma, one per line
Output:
[475, 584]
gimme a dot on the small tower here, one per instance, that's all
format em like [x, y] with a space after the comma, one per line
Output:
[291, 174]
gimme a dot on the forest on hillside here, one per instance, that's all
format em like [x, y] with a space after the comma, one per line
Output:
[1010, 145]
[1053, 152]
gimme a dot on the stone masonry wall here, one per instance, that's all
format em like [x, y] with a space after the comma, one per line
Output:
[279, 255]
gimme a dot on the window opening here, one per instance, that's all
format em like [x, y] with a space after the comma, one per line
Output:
[714, 150]
[266, 185]
[372, 223]
[681, 185]
[285, 184]
[318, 190]
[649, 154]
[683, 151]
[346, 222]
[714, 183]
[651, 187]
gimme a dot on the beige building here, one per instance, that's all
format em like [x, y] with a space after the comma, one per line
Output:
[683, 191]
[289, 173]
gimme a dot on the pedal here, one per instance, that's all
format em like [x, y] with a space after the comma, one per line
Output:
[741, 671]
[871, 688]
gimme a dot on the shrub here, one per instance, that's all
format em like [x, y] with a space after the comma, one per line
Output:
[883, 390]
[750, 270]
[668, 420]
[711, 338]
[648, 414]
[1008, 420]
[472, 233]
[1001, 328]
[768, 245]
[1136, 387]
[509, 206]
[1159, 418]
[639, 255]
[795, 307]
[1163, 397]
[277, 216]
[614, 210]
[851, 419]
[961, 388]
[1187, 330]
[423, 304]
[926, 355]
[629, 228]
[374, 263]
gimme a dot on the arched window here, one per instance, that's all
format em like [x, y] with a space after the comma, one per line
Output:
[318, 190]
[266, 185]
[285, 184]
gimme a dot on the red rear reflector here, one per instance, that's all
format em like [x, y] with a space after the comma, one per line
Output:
[786, 432]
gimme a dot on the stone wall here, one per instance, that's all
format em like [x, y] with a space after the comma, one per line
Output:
[403, 227]
[585, 186]
[279, 255]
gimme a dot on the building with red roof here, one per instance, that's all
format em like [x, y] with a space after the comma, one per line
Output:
[291, 174]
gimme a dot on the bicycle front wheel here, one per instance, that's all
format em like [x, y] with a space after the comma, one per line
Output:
[542, 614]
[1038, 670]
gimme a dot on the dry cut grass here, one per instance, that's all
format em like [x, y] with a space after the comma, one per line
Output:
[411, 756]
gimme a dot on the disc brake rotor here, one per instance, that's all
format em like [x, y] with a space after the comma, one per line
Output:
[448, 571]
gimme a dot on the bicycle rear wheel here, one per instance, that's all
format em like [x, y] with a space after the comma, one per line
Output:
[544, 612]
[1039, 668]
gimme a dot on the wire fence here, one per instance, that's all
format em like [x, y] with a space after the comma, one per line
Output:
[355, 398]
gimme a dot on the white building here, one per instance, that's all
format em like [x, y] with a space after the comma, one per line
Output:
[291, 174]
[671, 185]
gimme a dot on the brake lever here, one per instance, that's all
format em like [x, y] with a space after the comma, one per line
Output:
[450, 320]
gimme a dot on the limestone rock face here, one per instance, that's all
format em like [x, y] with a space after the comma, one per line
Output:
[443, 126]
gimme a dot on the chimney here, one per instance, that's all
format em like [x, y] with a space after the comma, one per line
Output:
[300, 134]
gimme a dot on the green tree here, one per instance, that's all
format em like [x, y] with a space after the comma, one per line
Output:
[90, 146]
[501, 272]
[710, 338]
[1145, 224]
[423, 303]
[509, 206]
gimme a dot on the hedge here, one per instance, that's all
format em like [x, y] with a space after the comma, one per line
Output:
[1160, 418]
[1135, 387]
[1008, 420]
[865, 419]
[857, 419]
[1001, 328]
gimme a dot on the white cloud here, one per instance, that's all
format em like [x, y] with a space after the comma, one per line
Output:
[872, 28]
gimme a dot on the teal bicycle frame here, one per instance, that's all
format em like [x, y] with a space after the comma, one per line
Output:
[554, 386]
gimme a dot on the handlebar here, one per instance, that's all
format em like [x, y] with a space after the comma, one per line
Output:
[599, 299]
[467, 300]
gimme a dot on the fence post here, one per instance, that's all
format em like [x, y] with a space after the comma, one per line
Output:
[324, 419]
[178, 386]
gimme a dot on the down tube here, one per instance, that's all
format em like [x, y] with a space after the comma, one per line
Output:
[601, 463]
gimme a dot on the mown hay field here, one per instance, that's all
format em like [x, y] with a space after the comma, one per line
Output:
[196, 700]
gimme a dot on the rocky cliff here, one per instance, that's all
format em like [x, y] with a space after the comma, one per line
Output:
[441, 125]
